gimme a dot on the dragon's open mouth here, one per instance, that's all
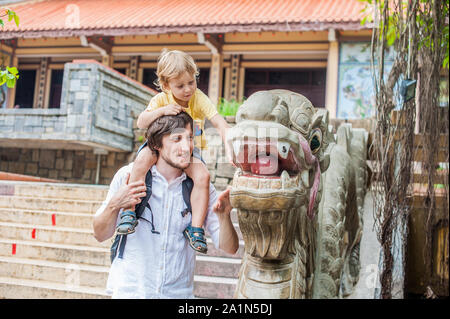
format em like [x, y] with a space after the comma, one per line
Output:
[274, 167]
[265, 158]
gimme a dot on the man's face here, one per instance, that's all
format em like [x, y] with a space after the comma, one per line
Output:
[177, 147]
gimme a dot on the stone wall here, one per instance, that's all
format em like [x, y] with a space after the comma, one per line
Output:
[95, 112]
[98, 112]
[64, 165]
[221, 171]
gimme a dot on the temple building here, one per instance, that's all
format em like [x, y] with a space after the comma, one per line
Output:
[87, 69]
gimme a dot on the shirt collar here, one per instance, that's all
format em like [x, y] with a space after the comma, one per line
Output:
[176, 181]
[172, 99]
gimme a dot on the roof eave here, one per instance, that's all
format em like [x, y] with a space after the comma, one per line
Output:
[283, 27]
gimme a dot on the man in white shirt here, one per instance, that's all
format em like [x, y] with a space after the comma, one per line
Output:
[161, 264]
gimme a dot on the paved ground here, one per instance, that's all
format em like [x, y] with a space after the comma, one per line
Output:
[369, 254]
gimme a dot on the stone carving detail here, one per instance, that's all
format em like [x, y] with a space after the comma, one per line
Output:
[299, 193]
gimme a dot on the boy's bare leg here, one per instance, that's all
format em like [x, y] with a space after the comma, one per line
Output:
[200, 192]
[145, 159]
[199, 200]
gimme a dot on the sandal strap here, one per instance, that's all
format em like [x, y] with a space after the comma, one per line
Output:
[128, 217]
[196, 234]
[128, 213]
[193, 229]
[198, 238]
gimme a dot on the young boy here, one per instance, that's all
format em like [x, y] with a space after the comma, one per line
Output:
[177, 72]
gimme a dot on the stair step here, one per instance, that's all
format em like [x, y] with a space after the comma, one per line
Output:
[48, 242]
[91, 275]
[206, 264]
[63, 219]
[214, 252]
[50, 204]
[15, 288]
[54, 190]
[52, 234]
[79, 237]
[46, 218]
[66, 273]
[214, 287]
[217, 266]
[55, 252]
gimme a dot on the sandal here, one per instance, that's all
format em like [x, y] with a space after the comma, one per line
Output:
[128, 223]
[195, 237]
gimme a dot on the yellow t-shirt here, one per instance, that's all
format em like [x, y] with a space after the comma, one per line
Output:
[199, 108]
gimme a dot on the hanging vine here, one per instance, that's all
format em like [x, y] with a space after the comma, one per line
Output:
[415, 30]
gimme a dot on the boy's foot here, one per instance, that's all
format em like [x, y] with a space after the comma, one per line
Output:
[196, 239]
[128, 223]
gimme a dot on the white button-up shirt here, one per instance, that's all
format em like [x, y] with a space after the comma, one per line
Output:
[158, 265]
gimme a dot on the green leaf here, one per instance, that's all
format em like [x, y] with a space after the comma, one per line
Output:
[16, 19]
[2, 24]
[445, 63]
[11, 15]
[11, 82]
[363, 21]
[12, 70]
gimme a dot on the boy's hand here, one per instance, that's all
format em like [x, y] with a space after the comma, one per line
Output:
[172, 109]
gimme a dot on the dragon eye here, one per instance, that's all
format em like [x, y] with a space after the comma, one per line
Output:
[315, 140]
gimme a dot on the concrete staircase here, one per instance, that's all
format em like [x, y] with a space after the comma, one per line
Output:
[47, 248]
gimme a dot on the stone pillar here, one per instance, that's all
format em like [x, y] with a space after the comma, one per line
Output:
[42, 81]
[332, 75]
[108, 60]
[134, 66]
[234, 78]
[215, 78]
[11, 93]
[241, 84]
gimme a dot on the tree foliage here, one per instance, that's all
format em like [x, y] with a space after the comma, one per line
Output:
[8, 75]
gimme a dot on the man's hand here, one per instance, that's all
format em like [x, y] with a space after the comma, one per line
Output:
[129, 195]
[223, 204]
[172, 109]
[228, 238]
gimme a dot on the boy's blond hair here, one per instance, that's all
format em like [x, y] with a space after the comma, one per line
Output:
[172, 64]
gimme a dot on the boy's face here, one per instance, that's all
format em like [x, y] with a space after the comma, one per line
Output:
[182, 88]
[177, 147]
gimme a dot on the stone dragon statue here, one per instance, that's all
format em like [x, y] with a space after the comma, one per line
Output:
[299, 193]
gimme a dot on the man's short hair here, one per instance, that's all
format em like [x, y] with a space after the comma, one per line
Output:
[164, 125]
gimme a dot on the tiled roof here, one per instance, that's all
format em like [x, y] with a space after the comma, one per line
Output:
[117, 17]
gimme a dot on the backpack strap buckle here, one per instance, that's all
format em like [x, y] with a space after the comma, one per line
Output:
[185, 211]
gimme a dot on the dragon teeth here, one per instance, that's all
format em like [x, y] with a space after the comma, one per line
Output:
[285, 179]
[283, 149]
